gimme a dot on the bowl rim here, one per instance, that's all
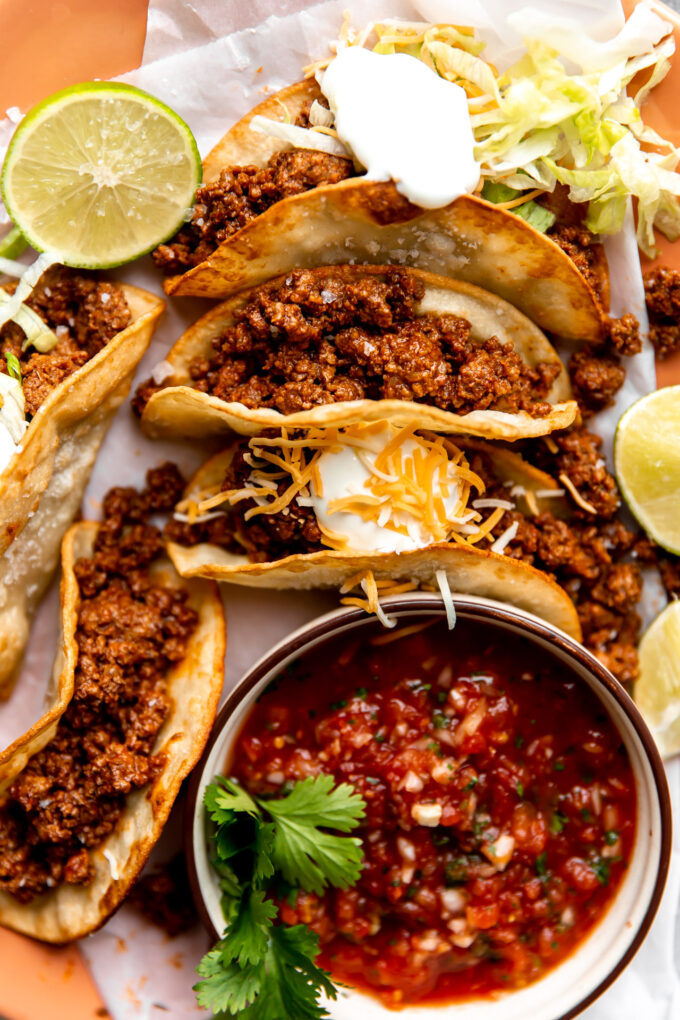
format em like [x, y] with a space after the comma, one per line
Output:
[466, 606]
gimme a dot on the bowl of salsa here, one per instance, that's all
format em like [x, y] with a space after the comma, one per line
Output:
[516, 834]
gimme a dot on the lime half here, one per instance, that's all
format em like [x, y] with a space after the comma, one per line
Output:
[99, 174]
[657, 691]
[647, 464]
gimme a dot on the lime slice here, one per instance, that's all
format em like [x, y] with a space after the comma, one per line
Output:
[657, 691]
[647, 464]
[99, 174]
[12, 244]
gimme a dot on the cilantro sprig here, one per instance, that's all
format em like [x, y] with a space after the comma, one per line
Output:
[261, 970]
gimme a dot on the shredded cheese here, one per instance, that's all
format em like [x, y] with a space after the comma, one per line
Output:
[371, 604]
[443, 582]
[503, 540]
[576, 495]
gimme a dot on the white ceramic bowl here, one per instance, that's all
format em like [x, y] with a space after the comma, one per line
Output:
[567, 989]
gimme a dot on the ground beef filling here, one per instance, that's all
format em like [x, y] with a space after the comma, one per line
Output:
[583, 249]
[84, 312]
[593, 558]
[320, 338]
[239, 195]
[71, 794]
[662, 294]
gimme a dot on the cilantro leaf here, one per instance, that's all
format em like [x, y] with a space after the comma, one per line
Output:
[223, 798]
[314, 802]
[227, 988]
[305, 855]
[311, 859]
[247, 936]
[291, 957]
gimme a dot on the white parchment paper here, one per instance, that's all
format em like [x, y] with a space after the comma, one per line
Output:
[212, 61]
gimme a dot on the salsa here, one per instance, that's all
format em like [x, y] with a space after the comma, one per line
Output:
[500, 806]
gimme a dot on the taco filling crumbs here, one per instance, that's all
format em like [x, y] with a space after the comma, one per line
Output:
[84, 313]
[130, 632]
[326, 336]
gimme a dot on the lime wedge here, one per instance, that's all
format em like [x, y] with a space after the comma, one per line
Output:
[12, 244]
[647, 464]
[657, 691]
[99, 174]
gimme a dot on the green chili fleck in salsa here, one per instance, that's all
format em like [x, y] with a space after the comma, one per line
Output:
[500, 807]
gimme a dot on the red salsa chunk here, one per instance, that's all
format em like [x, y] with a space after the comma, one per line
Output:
[500, 806]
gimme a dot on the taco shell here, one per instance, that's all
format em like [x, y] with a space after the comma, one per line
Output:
[194, 685]
[363, 221]
[469, 570]
[178, 410]
[42, 487]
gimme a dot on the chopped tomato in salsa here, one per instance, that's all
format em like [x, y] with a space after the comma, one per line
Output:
[500, 806]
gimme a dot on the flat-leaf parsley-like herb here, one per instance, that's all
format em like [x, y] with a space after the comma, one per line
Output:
[261, 970]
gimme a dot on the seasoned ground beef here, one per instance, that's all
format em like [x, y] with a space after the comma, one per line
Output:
[85, 314]
[71, 794]
[163, 897]
[596, 377]
[322, 337]
[576, 453]
[585, 557]
[582, 248]
[662, 294]
[239, 195]
[624, 335]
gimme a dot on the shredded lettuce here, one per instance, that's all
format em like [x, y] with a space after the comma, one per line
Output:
[541, 122]
[536, 215]
[37, 333]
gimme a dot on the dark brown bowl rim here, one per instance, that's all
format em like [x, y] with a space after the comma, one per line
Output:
[424, 604]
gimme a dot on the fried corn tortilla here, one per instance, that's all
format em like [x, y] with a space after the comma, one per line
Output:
[42, 487]
[194, 684]
[358, 220]
[181, 410]
[469, 570]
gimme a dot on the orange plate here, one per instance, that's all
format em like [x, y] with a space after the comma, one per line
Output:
[100, 40]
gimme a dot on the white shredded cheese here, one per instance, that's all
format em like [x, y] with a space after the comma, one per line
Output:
[548, 493]
[482, 504]
[503, 540]
[443, 582]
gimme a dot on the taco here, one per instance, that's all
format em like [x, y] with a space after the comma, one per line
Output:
[258, 189]
[343, 344]
[139, 692]
[370, 504]
[58, 402]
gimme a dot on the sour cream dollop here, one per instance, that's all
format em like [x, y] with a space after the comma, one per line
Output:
[344, 474]
[13, 422]
[403, 123]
